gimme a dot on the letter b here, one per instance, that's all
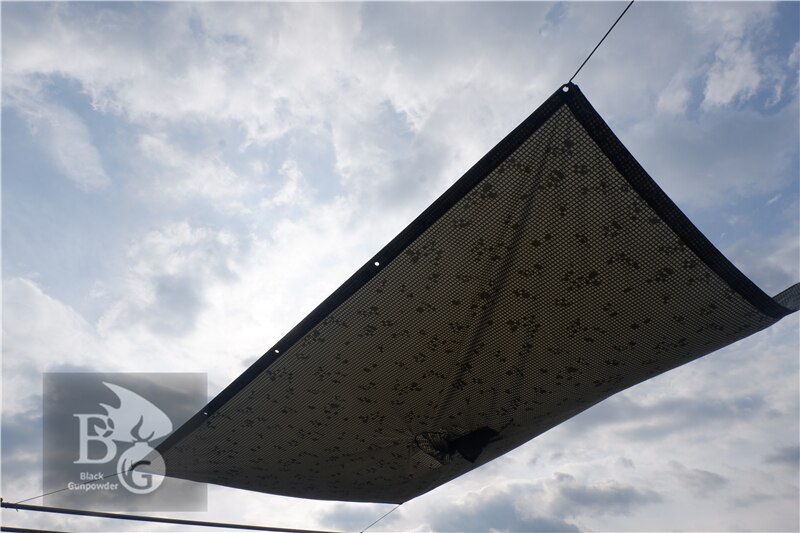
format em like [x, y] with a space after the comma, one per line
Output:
[85, 437]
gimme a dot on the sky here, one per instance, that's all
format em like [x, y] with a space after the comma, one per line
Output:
[183, 182]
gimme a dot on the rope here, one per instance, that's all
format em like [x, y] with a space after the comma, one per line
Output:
[140, 518]
[601, 41]
[381, 518]
[59, 490]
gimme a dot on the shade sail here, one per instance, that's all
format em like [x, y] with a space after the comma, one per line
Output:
[552, 275]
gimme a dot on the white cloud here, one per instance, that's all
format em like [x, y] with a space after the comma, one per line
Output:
[700, 482]
[164, 289]
[195, 297]
[772, 262]
[63, 136]
[182, 175]
[719, 159]
[313, 71]
[41, 334]
[734, 76]
[728, 20]
[794, 57]
[674, 98]
[737, 71]
[346, 71]
[293, 191]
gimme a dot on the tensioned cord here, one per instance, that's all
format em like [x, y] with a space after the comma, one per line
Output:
[601, 40]
[142, 518]
[381, 518]
[57, 491]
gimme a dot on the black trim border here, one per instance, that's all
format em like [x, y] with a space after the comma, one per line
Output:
[611, 146]
[658, 200]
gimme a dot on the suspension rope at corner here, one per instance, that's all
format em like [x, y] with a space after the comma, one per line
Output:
[61, 490]
[143, 518]
[601, 40]
[381, 518]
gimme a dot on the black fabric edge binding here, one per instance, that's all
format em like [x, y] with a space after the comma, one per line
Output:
[789, 297]
[611, 146]
[658, 200]
[395, 247]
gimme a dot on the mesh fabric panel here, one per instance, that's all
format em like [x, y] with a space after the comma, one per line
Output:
[551, 276]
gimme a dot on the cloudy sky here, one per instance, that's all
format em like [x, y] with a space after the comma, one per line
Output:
[183, 182]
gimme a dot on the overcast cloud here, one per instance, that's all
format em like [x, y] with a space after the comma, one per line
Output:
[183, 182]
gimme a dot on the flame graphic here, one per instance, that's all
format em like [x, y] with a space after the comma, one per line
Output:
[136, 419]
